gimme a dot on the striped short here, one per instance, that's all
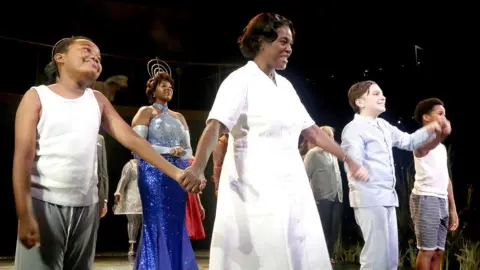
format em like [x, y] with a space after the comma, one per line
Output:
[430, 220]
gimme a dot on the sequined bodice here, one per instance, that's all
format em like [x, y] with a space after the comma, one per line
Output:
[165, 130]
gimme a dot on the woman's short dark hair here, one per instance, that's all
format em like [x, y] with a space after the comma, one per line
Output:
[51, 69]
[262, 27]
[153, 82]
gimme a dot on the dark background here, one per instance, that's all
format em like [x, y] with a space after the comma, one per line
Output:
[337, 45]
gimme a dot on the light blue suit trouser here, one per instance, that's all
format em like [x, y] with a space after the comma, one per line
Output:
[380, 233]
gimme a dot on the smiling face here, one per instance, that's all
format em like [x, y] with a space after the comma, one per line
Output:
[82, 60]
[372, 103]
[164, 91]
[276, 53]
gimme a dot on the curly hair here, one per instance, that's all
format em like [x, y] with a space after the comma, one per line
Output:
[356, 91]
[425, 107]
[261, 27]
[153, 82]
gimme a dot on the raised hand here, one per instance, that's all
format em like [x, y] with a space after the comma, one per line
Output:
[446, 128]
[434, 127]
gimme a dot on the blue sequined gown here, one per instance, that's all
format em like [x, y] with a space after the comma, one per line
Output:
[164, 244]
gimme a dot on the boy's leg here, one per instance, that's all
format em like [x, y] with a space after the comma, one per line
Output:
[442, 234]
[82, 240]
[374, 223]
[425, 211]
[393, 236]
[52, 227]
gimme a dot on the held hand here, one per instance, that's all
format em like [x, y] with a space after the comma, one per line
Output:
[357, 172]
[434, 127]
[191, 179]
[453, 220]
[104, 210]
[177, 151]
[446, 128]
[117, 198]
[28, 232]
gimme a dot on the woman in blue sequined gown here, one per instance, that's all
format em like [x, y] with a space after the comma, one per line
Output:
[164, 244]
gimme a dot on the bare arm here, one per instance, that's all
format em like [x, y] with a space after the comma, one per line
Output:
[451, 199]
[207, 142]
[124, 134]
[425, 148]
[218, 157]
[28, 114]
[319, 138]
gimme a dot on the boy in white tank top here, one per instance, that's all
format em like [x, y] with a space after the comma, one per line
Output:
[432, 204]
[55, 160]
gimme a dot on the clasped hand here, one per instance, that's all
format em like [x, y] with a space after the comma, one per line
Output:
[193, 179]
[177, 151]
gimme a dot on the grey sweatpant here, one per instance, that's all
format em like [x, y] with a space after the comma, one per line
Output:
[68, 236]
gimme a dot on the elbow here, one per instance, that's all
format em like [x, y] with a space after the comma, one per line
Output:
[23, 157]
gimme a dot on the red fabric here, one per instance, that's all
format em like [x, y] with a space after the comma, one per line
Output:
[193, 218]
[193, 215]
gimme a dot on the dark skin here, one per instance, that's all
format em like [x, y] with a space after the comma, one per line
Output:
[432, 259]
[271, 56]
[163, 94]
[79, 67]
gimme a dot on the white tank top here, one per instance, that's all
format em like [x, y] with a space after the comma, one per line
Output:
[65, 167]
[431, 173]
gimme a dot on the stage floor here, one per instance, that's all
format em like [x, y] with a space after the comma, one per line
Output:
[118, 261]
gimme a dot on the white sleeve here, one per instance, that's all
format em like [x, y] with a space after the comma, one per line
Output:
[230, 100]
[141, 130]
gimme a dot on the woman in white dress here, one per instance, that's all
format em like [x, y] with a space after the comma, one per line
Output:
[266, 215]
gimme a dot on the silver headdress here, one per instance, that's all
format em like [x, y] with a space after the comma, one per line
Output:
[156, 65]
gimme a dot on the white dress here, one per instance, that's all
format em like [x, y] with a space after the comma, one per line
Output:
[266, 215]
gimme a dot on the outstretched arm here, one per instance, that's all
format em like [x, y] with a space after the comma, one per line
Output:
[318, 137]
[410, 142]
[425, 148]
[207, 142]
[124, 134]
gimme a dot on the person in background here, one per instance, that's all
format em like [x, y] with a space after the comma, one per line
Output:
[326, 183]
[127, 202]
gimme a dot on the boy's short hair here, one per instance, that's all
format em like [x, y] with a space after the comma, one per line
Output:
[356, 91]
[425, 107]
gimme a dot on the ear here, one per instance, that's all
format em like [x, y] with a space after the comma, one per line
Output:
[360, 103]
[59, 58]
[426, 117]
